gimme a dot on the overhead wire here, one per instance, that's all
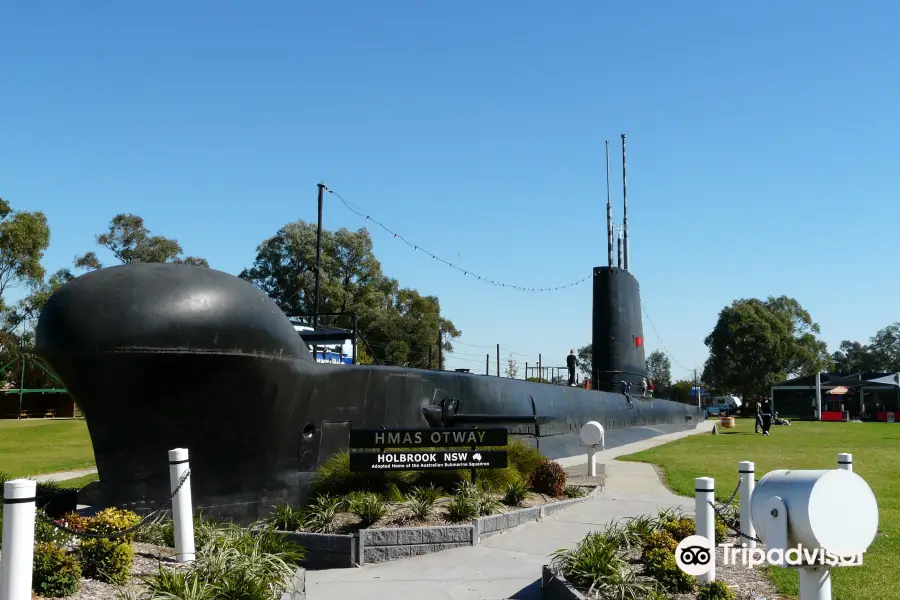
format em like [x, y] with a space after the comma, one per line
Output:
[465, 272]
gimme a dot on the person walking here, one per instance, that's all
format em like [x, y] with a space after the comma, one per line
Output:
[643, 386]
[758, 417]
[650, 387]
[766, 414]
[571, 363]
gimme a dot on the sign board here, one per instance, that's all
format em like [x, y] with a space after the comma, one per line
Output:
[428, 438]
[890, 417]
[428, 460]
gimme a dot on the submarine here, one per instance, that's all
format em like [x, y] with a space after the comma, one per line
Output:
[163, 356]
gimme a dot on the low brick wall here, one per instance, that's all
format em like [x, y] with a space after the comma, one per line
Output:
[555, 587]
[325, 550]
[383, 545]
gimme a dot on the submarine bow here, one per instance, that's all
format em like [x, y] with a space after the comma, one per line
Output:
[161, 356]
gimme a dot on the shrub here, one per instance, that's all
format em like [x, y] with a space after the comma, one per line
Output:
[660, 564]
[659, 540]
[320, 515]
[715, 590]
[549, 478]
[75, 522]
[45, 533]
[109, 561]
[110, 521]
[681, 528]
[515, 494]
[55, 573]
[523, 458]
[573, 491]
[285, 518]
[597, 566]
[496, 479]
[721, 531]
[368, 507]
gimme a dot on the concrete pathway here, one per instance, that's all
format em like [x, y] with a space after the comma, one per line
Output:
[508, 566]
[62, 476]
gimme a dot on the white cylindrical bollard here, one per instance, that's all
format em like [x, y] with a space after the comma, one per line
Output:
[845, 461]
[705, 519]
[815, 583]
[592, 461]
[18, 539]
[182, 512]
[746, 472]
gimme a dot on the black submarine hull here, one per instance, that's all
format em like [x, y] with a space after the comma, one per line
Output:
[165, 356]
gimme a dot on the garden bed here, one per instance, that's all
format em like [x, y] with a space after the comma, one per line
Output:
[636, 557]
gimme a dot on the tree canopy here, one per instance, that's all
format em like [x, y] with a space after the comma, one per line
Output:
[400, 325]
[659, 371]
[882, 353]
[756, 343]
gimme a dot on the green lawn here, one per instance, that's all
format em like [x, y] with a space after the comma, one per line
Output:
[37, 446]
[876, 457]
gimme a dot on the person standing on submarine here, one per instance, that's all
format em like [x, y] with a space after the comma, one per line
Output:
[571, 363]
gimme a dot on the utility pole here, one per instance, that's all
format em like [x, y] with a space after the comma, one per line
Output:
[498, 360]
[440, 350]
[697, 385]
[318, 257]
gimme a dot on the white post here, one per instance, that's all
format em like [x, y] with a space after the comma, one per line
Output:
[18, 539]
[592, 461]
[815, 583]
[819, 396]
[845, 461]
[746, 473]
[705, 519]
[182, 512]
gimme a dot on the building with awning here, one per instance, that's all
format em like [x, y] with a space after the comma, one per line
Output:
[871, 396]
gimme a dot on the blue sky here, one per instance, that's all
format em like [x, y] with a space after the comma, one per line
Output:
[762, 148]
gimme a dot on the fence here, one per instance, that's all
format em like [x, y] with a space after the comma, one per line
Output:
[20, 512]
[815, 581]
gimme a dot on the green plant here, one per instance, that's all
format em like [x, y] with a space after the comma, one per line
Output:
[597, 567]
[640, 527]
[515, 493]
[523, 458]
[573, 491]
[715, 590]
[285, 518]
[109, 561]
[681, 528]
[490, 480]
[55, 573]
[392, 492]
[462, 508]
[319, 516]
[660, 565]
[721, 531]
[111, 521]
[659, 540]
[422, 501]
[549, 478]
[45, 533]
[368, 507]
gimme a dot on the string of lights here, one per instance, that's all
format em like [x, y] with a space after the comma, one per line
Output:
[661, 343]
[465, 272]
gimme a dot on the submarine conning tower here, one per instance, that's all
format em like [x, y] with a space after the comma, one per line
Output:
[617, 329]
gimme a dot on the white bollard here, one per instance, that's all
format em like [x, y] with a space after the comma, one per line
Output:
[18, 539]
[705, 519]
[845, 461]
[746, 472]
[815, 583]
[592, 461]
[182, 512]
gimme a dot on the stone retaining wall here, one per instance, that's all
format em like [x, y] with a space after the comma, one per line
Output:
[555, 587]
[395, 543]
